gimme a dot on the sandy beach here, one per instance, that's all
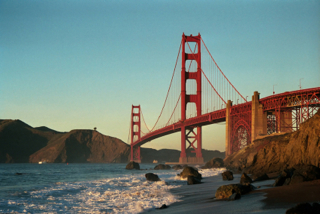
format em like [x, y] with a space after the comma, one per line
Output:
[200, 198]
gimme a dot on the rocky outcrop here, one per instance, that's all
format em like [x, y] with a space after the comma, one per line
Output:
[214, 163]
[133, 165]
[193, 180]
[304, 208]
[276, 153]
[227, 176]
[189, 171]
[260, 177]
[162, 166]
[225, 191]
[152, 177]
[245, 179]
[297, 174]
[177, 167]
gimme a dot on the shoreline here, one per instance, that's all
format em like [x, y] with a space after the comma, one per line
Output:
[199, 198]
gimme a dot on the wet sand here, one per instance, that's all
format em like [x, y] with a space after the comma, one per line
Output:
[200, 198]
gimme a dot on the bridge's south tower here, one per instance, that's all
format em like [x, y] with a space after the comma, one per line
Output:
[190, 134]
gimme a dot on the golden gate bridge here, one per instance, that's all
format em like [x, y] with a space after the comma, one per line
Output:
[200, 94]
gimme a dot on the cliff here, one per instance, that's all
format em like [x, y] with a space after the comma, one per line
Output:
[275, 153]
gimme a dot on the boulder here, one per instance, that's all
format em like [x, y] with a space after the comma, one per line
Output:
[308, 172]
[162, 166]
[245, 179]
[227, 176]
[225, 191]
[304, 208]
[132, 165]
[152, 177]
[284, 177]
[193, 180]
[214, 163]
[187, 171]
[177, 167]
[260, 177]
[164, 206]
[234, 196]
[297, 174]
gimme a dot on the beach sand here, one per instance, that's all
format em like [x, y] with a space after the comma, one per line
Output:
[200, 198]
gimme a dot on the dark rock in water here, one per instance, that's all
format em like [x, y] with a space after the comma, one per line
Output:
[132, 165]
[225, 191]
[177, 167]
[187, 171]
[234, 196]
[164, 206]
[162, 166]
[304, 208]
[245, 179]
[152, 177]
[18, 173]
[260, 177]
[214, 163]
[193, 180]
[227, 176]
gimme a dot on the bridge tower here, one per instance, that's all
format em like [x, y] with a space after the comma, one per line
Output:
[135, 132]
[188, 134]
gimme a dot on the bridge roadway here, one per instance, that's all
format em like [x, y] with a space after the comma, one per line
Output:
[283, 100]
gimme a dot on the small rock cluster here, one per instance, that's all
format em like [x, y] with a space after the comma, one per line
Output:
[297, 174]
[304, 208]
[232, 191]
[214, 163]
[192, 175]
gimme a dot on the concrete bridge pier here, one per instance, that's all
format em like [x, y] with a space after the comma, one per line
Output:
[258, 118]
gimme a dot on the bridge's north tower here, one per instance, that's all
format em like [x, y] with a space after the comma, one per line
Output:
[193, 134]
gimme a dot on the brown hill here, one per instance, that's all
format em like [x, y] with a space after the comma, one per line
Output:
[18, 141]
[82, 146]
[275, 153]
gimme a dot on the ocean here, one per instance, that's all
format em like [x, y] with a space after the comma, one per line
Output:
[86, 188]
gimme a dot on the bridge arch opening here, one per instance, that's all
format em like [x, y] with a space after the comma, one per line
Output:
[241, 136]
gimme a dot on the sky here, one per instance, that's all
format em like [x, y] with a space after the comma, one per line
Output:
[69, 64]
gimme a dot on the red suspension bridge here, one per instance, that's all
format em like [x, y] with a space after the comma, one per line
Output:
[200, 94]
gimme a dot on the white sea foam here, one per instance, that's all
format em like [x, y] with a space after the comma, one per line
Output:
[128, 193]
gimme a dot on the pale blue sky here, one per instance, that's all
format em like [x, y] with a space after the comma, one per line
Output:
[70, 64]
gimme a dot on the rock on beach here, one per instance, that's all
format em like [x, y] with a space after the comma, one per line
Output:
[133, 165]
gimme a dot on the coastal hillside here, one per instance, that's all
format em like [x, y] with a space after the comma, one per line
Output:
[21, 143]
[82, 146]
[18, 140]
[275, 153]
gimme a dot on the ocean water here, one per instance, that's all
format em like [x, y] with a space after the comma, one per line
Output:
[86, 188]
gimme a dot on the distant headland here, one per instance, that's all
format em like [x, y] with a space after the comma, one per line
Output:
[21, 143]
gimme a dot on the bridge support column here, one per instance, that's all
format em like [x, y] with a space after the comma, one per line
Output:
[190, 98]
[183, 155]
[259, 118]
[135, 133]
[228, 128]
